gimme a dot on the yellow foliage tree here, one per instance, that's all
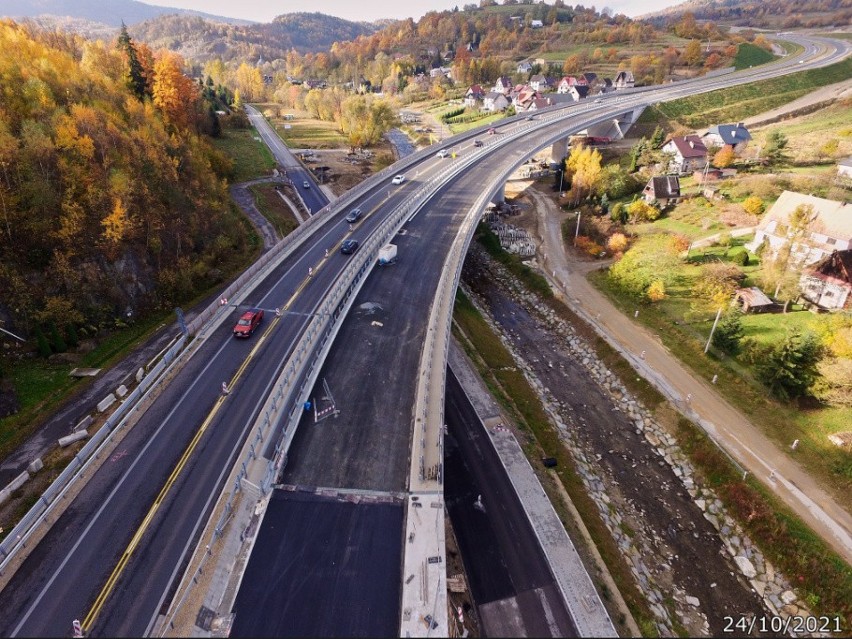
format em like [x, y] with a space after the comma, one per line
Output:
[174, 93]
[753, 205]
[116, 227]
[724, 157]
[657, 291]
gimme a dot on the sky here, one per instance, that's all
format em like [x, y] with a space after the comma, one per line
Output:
[369, 10]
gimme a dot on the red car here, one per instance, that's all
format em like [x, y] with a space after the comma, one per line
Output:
[249, 321]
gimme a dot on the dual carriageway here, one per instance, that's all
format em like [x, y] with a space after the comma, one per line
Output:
[113, 556]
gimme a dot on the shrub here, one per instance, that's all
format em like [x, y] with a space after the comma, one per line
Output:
[657, 291]
[42, 343]
[56, 339]
[617, 243]
[587, 245]
[739, 256]
[753, 205]
[725, 239]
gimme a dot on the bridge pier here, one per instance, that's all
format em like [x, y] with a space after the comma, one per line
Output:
[559, 150]
[500, 195]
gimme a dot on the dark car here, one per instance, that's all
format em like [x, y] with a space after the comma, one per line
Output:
[354, 215]
[249, 321]
[348, 247]
[477, 143]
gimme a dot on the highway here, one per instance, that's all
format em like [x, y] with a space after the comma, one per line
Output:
[133, 524]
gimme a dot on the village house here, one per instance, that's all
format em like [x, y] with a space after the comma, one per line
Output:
[437, 72]
[733, 136]
[578, 92]
[540, 83]
[624, 80]
[525, 66]
[566, 83]
[828, 283]
[474, 96]
[539, 103]
[662, 190]
[536, 24]
[587, 78]
[495, 101]
[828, 228]
[688, 154]
[503, 85]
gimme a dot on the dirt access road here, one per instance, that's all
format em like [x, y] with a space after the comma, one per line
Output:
[695, 397]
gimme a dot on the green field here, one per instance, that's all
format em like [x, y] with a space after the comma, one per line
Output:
[749, 55]
[250, 156]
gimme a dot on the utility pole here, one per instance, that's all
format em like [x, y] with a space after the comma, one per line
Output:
[577, 232]
[713, 330]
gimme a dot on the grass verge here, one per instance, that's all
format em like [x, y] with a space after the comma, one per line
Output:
[749, 55]
[737, 103]
[250, 156]
[274, 209]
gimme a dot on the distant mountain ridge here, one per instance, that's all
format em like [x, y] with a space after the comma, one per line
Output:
[201, 40]
[110, 13]
[766, 14]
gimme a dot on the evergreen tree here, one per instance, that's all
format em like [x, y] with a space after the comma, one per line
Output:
[135, 73]
[658, 137]
[728, 333]
[789, 368]
[43, 346]
[71, 336]
[56, 339]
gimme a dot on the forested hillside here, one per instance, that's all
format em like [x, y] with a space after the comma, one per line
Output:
[111, 200]
[767, 14]
[201, 40]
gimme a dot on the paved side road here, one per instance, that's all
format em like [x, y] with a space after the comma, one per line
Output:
[726, 425]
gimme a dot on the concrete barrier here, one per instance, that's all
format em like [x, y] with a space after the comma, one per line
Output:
[35, 465]
[84, 423]
[106, 402]
[16, 483]
[140, 374]
[73, 437]
[121, 391]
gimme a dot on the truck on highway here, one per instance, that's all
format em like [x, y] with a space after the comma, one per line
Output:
[387, 254]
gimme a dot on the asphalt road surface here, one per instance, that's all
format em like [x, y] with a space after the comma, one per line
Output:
[295, 171]
[509, 576]
[311, 548]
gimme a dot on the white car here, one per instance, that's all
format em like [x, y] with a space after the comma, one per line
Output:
[306, 185]
[399, 179]
[442, 153]
[598, 101]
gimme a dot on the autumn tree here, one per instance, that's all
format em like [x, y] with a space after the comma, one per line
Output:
[715, 286]
[249, 81]
[175, 94]
[724, 157]
[691, 55]
[583, 169]
[641, 211]
[651, 259]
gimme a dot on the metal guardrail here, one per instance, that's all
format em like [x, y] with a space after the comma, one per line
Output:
[82, 461]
